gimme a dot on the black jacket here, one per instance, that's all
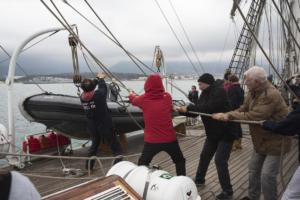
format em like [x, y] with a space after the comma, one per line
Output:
[295, 88]
[214, 100]
[236, 98]
[287, 127]
[95, 105]
[193, 96]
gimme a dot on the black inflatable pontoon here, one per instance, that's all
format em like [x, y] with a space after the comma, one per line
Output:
[65, 114]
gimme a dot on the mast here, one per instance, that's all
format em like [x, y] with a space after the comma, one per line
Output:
[291, 61]
[241, 57]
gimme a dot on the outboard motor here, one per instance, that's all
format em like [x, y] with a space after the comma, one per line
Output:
[4, 141]
[113, 92]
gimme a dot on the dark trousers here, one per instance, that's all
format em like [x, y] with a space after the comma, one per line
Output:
[99, 132]
[172, 148]
[221, 150]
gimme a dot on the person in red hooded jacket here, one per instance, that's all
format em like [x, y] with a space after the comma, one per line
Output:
[159, 134]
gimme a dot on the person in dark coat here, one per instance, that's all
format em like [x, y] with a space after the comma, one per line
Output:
[226, 82]
[236, 98]
[193, 95]
[219, 137]
[288, 127]
[159, 133]
[99, 120]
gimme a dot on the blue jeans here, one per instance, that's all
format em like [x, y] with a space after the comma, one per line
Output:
[221, 150]
[263, 171]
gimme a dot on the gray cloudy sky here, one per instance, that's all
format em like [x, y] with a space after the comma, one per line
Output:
[138, 24]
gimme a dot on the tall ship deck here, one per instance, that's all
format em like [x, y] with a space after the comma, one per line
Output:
[47, 176]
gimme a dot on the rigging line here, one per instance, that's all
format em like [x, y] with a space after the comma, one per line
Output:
[46, 37]
[277, 48]
[173, 31]
[121, 46]
[225, 42]
[285, 23]
[4, 60]
[87, 63]
[86, 59]
[293, 16]
[25, 49]
[81, 44]
[95, 26]
[262, 49]
[111, 75]
[23, 70]
[130, 114]
[111, 39]
[95, 58]
[186, 36]
[69, 29]
[269, 33]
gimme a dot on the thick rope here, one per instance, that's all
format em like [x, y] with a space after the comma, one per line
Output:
[57, 177]
[120, 45]
[67, 157]
[66, 25]
[237, 121]
[111, 39]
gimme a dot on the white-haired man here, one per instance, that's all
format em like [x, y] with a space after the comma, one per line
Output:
[263, 102]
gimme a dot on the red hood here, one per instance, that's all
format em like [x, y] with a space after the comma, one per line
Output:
[154, 87]
[86, 96]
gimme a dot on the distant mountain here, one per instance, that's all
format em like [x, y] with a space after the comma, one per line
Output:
[68, 77]
[183, 68]
[35, 66]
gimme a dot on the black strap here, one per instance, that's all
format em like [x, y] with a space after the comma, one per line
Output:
[125, 176]
[147, 184]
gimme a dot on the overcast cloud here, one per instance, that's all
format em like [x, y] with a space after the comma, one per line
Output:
[138, 25]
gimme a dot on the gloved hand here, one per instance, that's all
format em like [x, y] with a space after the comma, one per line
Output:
[101, 75]
[268, 125]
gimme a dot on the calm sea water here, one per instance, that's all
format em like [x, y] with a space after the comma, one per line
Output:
[24, 127]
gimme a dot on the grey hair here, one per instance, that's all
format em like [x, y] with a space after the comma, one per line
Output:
[256, 73]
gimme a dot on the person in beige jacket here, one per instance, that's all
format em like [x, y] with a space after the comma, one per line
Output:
[263, 102]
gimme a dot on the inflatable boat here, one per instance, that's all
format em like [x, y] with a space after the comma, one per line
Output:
[64, 113]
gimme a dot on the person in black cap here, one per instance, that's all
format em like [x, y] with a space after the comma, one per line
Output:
[219, 138]
[99, 120]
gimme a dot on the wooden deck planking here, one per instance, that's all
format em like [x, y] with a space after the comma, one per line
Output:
[191, 147]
